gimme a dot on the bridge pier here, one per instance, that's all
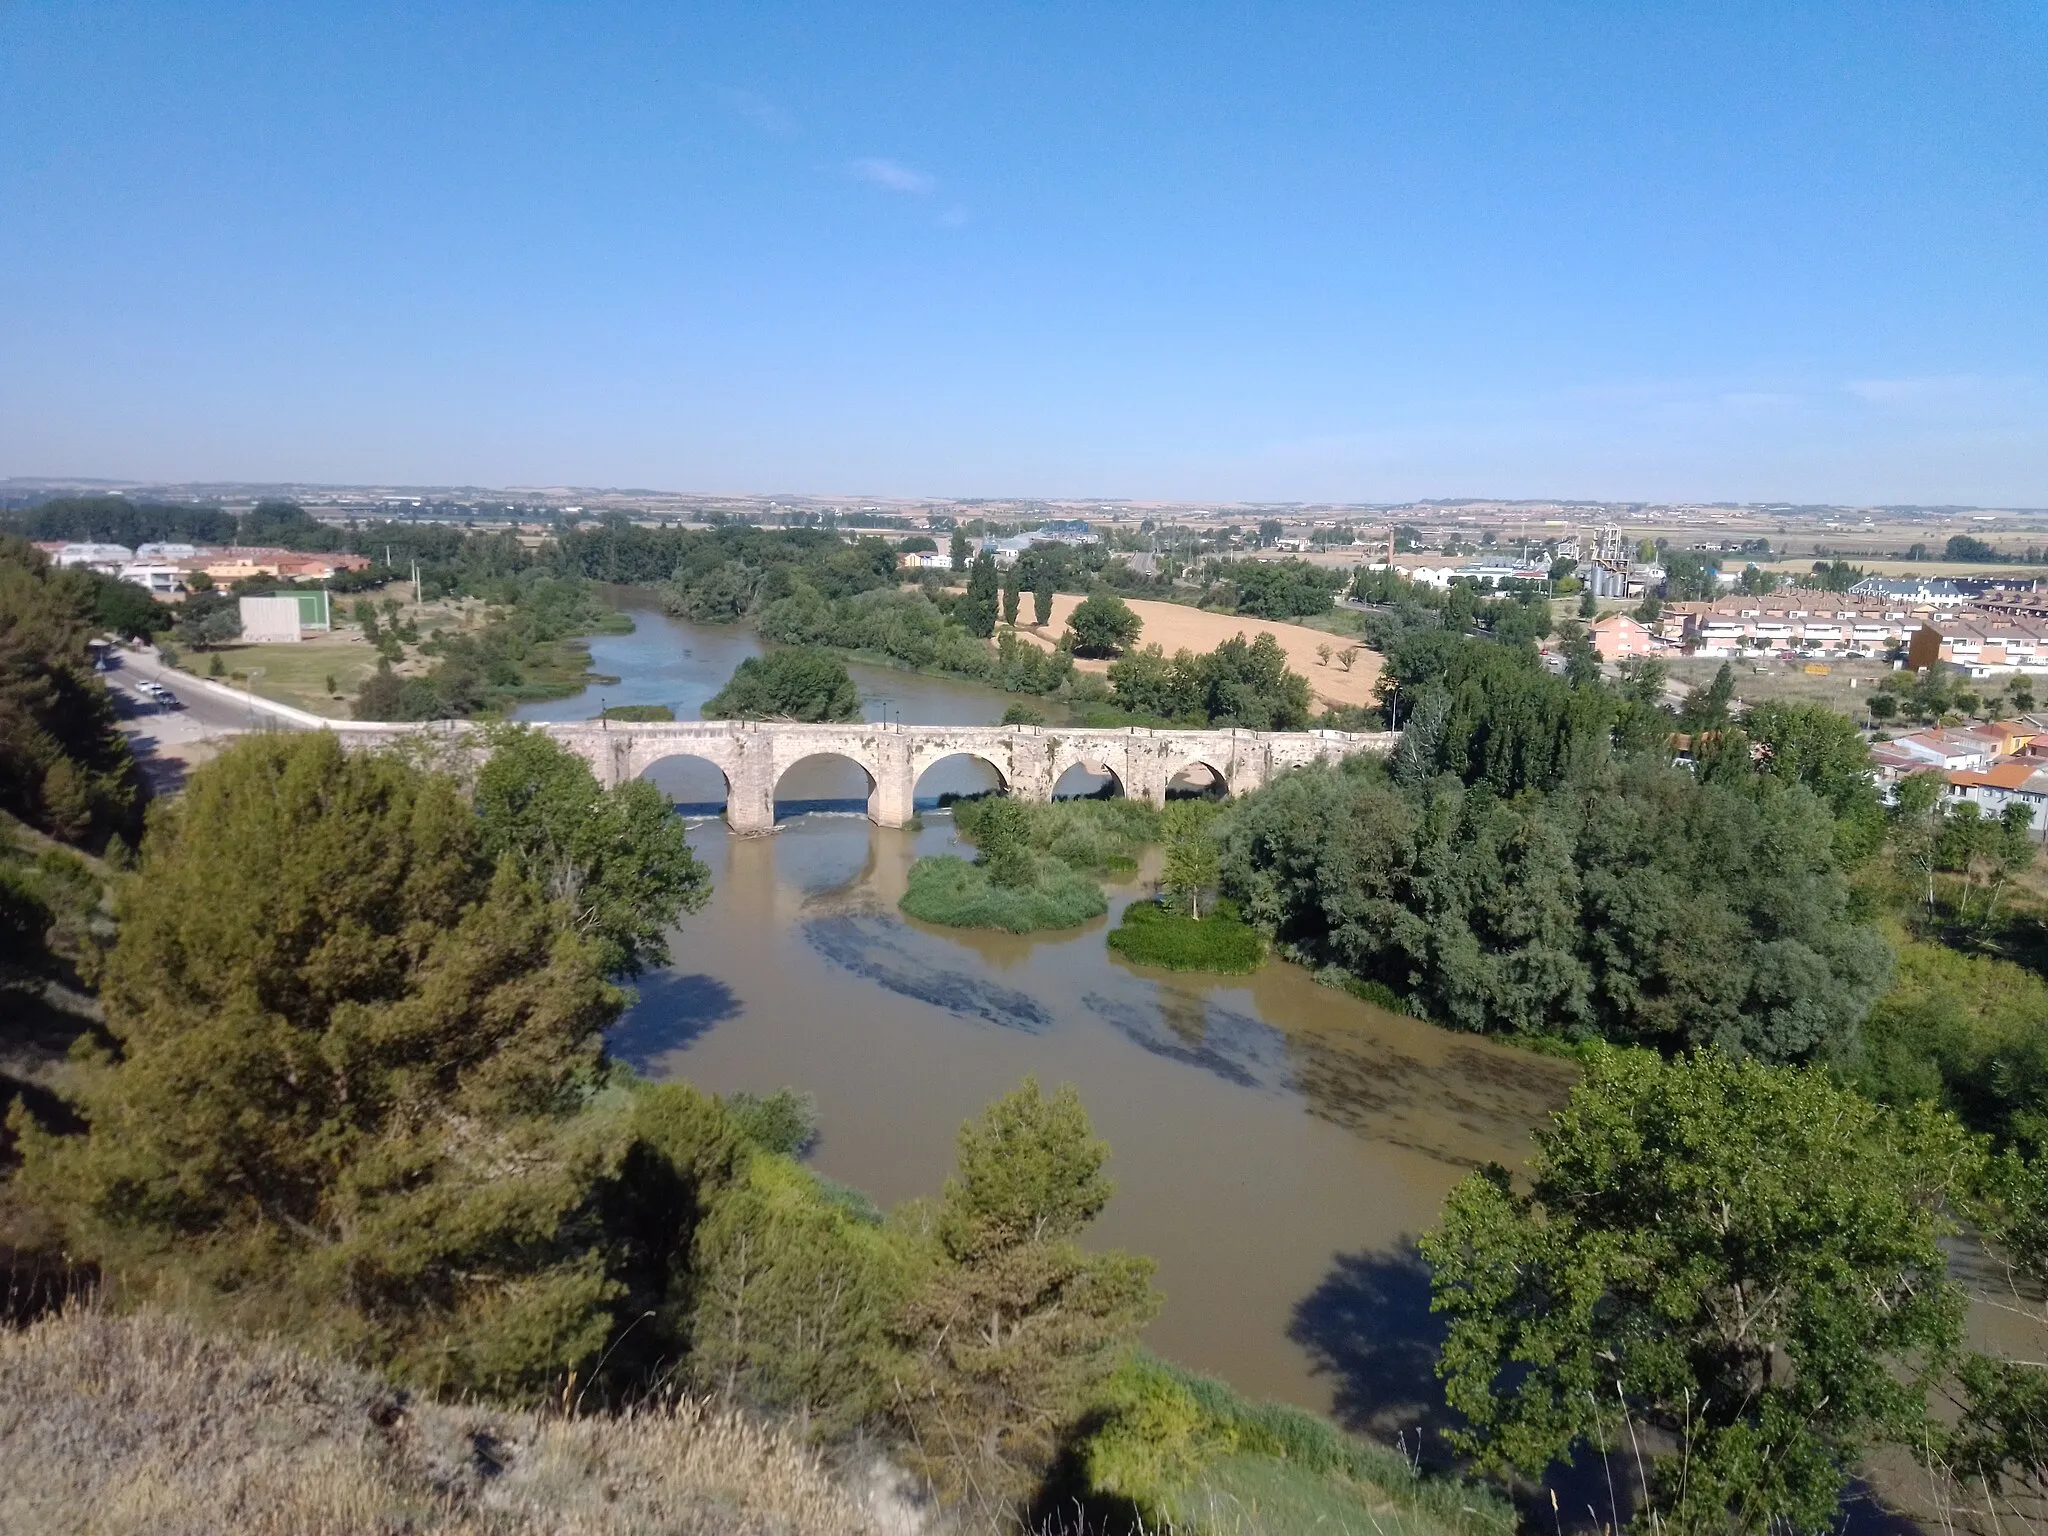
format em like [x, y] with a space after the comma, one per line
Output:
[891, 801]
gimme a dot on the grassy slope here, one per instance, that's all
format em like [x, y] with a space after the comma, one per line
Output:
[141, 1424]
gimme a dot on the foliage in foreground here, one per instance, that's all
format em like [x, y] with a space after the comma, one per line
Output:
[349, 1048]
[1189, 1451]
[959, 894]
[355, 1095]
[1744, 1258]
[793, 684]
[1151, 935]
[269, 1439]
[618, 861]
[64, 767]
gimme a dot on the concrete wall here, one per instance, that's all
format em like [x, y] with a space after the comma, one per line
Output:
[267, 620]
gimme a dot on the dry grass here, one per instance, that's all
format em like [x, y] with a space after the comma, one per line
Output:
[1174, 627]
[139, 1423]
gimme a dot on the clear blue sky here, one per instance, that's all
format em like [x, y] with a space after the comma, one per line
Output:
[1191, 251]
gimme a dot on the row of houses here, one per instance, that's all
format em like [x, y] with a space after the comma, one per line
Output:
[166, 570]
[1990, 766]
[1981, 640]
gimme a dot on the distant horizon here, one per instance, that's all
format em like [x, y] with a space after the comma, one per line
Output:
[43, 484]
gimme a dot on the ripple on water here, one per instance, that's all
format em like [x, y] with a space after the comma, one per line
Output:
[886, 951]
[1197, 1033]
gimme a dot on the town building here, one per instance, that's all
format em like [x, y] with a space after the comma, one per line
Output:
[1914, 590]
[1823, 623]
[1617, 637]
[1983, 645]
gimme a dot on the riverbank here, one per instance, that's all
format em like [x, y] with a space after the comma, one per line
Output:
[322, 673]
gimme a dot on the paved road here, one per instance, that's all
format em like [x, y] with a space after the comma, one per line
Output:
[168, 742]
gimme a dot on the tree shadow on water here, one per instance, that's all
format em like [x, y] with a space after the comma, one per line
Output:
[670, 1012]
[1368, 1327]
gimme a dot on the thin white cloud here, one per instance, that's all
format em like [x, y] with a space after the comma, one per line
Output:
[1913, 391]
[956, 216]
[758, 110]
[892, 176]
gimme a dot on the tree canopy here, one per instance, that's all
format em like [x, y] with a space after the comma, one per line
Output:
[1103, 624]
[796, 683]
[1241, 683]
[64, 766]
[618, 860]
[1745, 1260]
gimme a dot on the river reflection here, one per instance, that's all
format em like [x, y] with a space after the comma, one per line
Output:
[1277, 1144]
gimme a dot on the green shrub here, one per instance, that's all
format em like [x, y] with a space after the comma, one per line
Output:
[651, 712]
[785, 1121]
[948, 890]
[1185, 1448]
[1151, 935]
[1098, 836]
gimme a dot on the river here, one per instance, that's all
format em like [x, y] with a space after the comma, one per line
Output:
[1277, 1144]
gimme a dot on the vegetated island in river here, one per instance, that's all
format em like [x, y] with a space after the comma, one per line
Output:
[1035, 867]
[1153, 933]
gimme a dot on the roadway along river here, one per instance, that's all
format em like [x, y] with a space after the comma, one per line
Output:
[1277, 1144]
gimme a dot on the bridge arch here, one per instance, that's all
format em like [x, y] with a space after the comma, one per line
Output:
[815, 787]
[1198, 777]
[696, 782]
[1079, 779]
[925, 762]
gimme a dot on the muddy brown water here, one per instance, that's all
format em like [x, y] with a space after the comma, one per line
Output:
[1276, 1144]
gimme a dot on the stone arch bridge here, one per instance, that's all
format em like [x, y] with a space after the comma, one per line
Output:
[754, 755]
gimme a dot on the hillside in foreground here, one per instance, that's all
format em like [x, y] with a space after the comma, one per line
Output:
[139, 1423]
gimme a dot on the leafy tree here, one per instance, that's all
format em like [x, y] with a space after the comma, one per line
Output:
[1192, 861]
[1962, 547]
[796, 683]
[1813, 745]
[958, 550]
[1745, 1260]
[1589, 605]
[1103, 625]
[64, 766]
[618, 860]
[976, 611]
[1012, 596]
[1016, 1324]
[1917, 821]
[794, 1297]
[1270, 531]
[1882, 706]
[123, 608]
[1281, 589]
[1002, 839]
[1626, 903]
[347, 1049]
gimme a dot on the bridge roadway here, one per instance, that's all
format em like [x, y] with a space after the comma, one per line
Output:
[753, 755]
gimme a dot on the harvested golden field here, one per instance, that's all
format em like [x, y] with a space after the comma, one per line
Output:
[1176, 627]
[142, 1424]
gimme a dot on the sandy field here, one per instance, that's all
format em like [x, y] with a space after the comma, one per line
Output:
[1173, 627]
